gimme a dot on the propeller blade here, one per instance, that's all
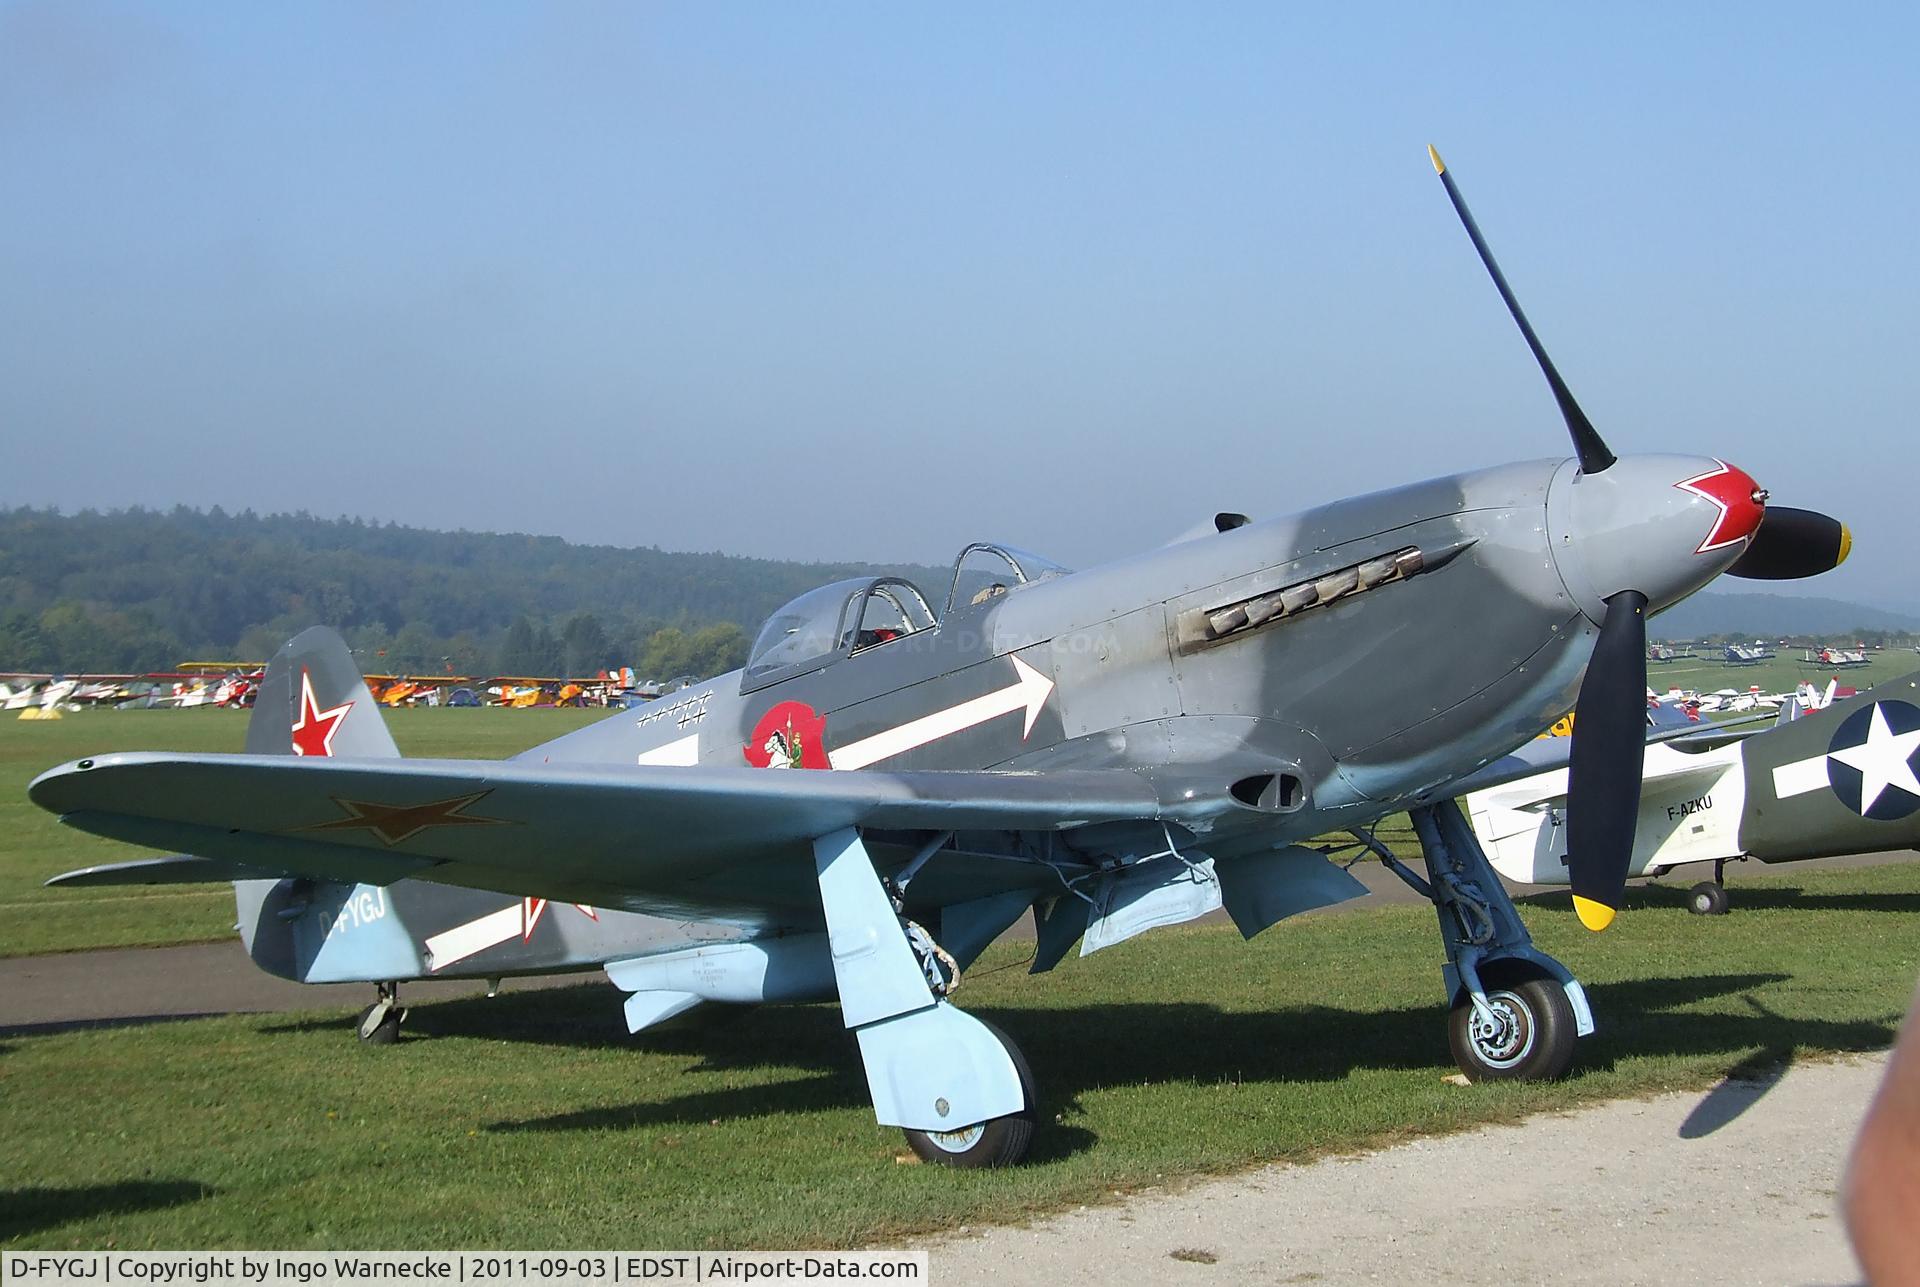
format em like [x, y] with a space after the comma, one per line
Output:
[1793, 543]
[1587, 444]
[1603, 771]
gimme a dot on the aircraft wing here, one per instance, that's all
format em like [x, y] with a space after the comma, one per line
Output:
[716, 842]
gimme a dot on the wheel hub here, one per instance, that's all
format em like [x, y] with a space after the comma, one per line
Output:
[958, 1141]
[1506, 1038]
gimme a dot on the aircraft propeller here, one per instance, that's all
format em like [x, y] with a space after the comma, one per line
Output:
[1609, 738]
[1587, 444]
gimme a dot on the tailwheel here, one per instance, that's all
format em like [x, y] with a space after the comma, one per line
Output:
[1527, 1035]
[1002, 1141]
[1708, 898]
[379, 1023]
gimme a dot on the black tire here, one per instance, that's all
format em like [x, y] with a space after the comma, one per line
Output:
[1535, 1041]
[385, 1033]
[1000, 1141]
[1708, 898]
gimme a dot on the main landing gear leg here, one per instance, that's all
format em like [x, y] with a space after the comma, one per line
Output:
[1515, 1010]
[959, 1089]
[380, 1022]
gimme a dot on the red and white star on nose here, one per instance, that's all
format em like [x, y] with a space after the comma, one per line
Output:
[1740, 500]
[313, 732]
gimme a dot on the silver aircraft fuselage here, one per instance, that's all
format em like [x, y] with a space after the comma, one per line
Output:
[1328, 667]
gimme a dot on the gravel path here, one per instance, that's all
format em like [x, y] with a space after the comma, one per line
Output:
[1736, 1185]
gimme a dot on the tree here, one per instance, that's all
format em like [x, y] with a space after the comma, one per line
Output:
[717, 649]
[666, 653]
[520, 654]
[584, 645]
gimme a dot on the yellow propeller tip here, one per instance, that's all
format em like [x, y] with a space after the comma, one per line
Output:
[1846, 544]
[1439, 166]
[1595, 916]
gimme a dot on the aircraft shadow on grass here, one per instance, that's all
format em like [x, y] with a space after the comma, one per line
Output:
[1745, 897]
[27, 1211]
[1096, 1046]
[56, 1026]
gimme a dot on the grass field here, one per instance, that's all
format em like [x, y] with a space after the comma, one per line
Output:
[34, 846]
[533, 1121]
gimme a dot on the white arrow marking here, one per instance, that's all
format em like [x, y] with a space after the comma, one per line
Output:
[491, 930]
[1029, 693]
[462, 941]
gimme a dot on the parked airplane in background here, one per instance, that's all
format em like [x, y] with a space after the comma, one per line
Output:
[1840, 657]
[1742, 655]
[1120, 748]
[1811, 786]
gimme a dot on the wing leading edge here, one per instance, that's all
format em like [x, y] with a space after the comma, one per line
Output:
[658, 839]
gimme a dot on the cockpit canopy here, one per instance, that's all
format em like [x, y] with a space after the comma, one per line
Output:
[984, 571]
[847, 617]
[834, 621]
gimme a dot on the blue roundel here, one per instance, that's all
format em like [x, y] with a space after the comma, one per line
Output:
[1849, 778]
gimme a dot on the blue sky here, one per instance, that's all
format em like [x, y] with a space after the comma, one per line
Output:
[847, 281]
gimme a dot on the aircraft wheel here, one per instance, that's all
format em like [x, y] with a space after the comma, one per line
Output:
[1532, 1036]
[1708, 898]
[1001, 1141]
[379, 1030]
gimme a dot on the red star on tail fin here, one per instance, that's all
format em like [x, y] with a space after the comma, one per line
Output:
[313, 732]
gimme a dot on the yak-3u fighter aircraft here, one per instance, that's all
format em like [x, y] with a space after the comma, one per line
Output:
[1123, 747]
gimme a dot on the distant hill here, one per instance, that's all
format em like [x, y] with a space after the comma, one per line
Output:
[143, 589]
[1774, 616]
[140, 590]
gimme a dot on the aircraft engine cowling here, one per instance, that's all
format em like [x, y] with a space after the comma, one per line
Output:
[1648, 524]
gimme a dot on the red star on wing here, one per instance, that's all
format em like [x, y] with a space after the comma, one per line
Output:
[1739, 499]
[394, 823]
[313, 733]
[531, 910]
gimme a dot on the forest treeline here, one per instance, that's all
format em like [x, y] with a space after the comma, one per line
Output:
[141, 590]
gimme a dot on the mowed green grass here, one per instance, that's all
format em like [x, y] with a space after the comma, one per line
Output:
[533, 1121]
[34, 846]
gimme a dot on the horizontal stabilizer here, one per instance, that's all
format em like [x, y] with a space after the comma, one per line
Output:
[180, 869]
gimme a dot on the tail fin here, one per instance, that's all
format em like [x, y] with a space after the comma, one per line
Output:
[312, 701]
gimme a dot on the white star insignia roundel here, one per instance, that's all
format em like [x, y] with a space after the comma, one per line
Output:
[1868, 765]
